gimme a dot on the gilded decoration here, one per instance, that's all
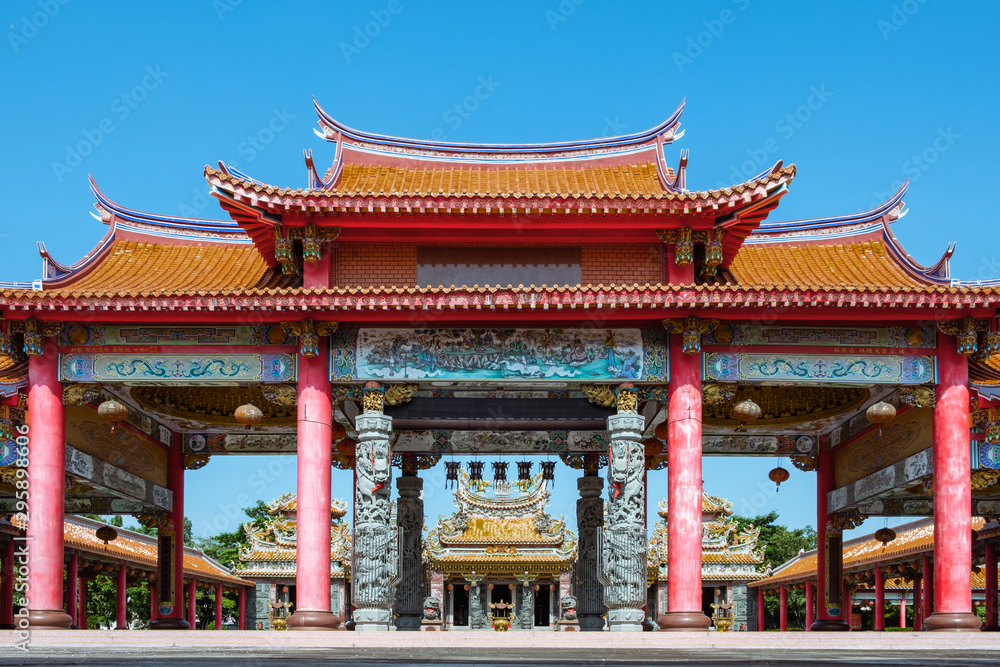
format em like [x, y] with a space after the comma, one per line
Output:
[211, 405]
[967, 333]
[397, 394]
[628, 400]
[309, 333]
[909, 433]
[691, 329]
[715, 393]
[821, 368]
[79, 394]
[917, 397]
[985, 478]
[782, 406]
[599, 394]
[280, 394]
[94, 335]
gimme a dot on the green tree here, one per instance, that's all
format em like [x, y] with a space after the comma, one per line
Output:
[188, 537]
[224, 547]
[780, 544]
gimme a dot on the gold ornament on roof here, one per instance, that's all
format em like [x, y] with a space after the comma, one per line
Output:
[628, 399]
[397, 394]
[373, 397]
[918, 396]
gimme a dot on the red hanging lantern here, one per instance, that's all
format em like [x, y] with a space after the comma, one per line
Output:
[661, 431]
[885, 535]
[778, 475]
[338, 432]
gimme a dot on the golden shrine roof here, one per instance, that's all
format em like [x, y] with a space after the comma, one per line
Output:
[912, 539]
[501, 531]
[80, 533]
[861, 266]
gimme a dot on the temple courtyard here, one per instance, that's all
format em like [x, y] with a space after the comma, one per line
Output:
[141, 648]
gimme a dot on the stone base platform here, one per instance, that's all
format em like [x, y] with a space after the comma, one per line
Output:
[138, 648]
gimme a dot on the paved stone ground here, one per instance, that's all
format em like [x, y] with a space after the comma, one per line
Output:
[271, 649]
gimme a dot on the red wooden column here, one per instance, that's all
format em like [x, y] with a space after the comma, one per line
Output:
[849, 606]
[218, 606]
[829, 550]
[991, 587]
[902, 608]
[952, 494]
[82, 614]
[879, 624]
[314, 461]
[243, 608]
[172, 547]
[760, 609]
[684, 493]
[72, 589]
[7, 586]
[152, 602]
[46, 473]
[192, 603]
[928, 593]
[917, 621]
[783, 618]
[809, 605]
[121, 622]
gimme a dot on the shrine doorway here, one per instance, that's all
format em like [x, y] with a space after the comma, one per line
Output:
[460, 609]
[707, 598]
[543, 602]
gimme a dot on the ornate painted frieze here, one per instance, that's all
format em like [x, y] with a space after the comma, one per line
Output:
[176, 368]
[498, 355]
[819, 368]
[758, 445]
[239, 443]
[909, 472]
[117, 481]
[105, 335]
[513, 442]
[807, 336]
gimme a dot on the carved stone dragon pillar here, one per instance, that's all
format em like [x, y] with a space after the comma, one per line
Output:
[623, 541]
[589, 520]
[375, 563]
[410, 517]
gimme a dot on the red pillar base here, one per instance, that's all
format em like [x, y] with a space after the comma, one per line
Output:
[49, 619]
[310, 619]
[985, 628]
[684, 621]
[959, 621]
[830, 625]
[169, 624]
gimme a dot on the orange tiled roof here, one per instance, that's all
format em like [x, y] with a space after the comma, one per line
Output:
[637, 181]
[854, 266]
[140, 549]
[135, 266]
[862, 552]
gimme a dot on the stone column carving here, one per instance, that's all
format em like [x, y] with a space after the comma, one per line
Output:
[410, 517]
[589, 519]
[741, 608]
[526, 604]
[375, 562]
[477, 614]
[623, 541]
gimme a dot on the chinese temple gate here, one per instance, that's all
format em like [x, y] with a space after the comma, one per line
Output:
[418, 299]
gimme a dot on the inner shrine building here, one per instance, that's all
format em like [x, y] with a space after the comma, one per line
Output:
[420, 299]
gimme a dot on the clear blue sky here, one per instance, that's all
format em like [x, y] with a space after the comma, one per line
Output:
[859, 95]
